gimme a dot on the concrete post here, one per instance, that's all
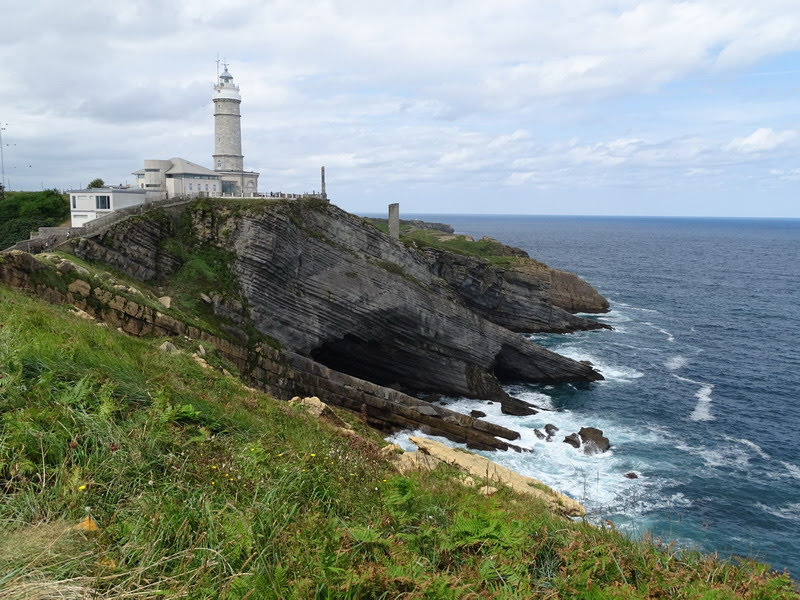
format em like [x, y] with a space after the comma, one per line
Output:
[394, 221]
[322, 174]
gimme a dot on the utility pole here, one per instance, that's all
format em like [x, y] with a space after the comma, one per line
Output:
[2, 166]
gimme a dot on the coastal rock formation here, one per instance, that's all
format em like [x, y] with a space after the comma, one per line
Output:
[432, 453]
[528, 297]
[281, 373]
[594, 442]
[332, 288]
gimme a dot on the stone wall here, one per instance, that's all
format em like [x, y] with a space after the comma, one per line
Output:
[281, 373]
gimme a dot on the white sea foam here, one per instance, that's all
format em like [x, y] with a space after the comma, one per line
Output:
[789, 512]
[702, 410]
[676, 362]
[616, 373]
[731, 456]
[639, 308]
[670, 337]
[597, 481]
[750, 444]
[793, 470]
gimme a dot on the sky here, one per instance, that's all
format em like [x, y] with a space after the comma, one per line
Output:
[616, 107]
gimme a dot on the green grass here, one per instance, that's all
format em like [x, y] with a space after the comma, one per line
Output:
[488, 249]
[201, 488]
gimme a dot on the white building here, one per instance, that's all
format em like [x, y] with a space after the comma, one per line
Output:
[87, 205]
[227, 157]
[178, 177]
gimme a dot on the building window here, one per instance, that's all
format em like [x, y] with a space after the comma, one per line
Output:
[74, 202]
[102, 202]
[219, 162]
[190, 186]
[215, 187]
[206, 187]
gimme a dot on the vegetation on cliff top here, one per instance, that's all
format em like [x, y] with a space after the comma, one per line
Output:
[129, 472]
[487, 248]
[23, 212]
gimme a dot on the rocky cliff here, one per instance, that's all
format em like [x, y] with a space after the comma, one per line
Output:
[332, 288]
[527, 297]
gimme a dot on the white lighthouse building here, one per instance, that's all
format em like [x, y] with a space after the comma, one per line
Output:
[227, 157]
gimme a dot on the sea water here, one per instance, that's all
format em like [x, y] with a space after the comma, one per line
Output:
[702, 378]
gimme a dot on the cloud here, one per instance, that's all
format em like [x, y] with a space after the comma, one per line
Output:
[468, 96]
[761, 140]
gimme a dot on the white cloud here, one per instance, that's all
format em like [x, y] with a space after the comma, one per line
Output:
[761, 140]
[572, 95]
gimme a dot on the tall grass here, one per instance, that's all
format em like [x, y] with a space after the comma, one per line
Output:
[126, 472]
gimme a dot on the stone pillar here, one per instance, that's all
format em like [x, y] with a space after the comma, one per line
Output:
[322, 175]
[394, 221]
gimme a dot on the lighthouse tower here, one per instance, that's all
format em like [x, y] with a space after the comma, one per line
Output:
[228, 158]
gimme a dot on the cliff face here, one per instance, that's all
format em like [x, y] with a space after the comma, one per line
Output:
[527, 298]
[333, 288]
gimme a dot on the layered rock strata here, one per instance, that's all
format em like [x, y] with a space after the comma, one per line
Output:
[283, 374]
[335, 289]
[527, 298]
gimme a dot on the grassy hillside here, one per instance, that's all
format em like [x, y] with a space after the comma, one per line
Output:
[23, 212]
[128, 472]
[486, 248]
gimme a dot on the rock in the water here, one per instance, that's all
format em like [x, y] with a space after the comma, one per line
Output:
[168, 347]
[631, 475]
[573, 440]
[478, 414]
[539, 434]
[592, 434]
[550, 429]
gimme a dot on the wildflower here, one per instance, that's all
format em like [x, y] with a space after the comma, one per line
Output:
[312, 454]
[81, 487]
[281, 454]
[213, 466]
[212, 483]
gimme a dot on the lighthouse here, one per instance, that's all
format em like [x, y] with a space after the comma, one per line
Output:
[227, 157]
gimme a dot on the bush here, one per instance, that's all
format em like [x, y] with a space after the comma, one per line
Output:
[23, 212]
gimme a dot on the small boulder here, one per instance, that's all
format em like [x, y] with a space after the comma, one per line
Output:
[79, 286]
[426, 410]
[166, 301]
[539, 434]
[631, 475]
[205, 298]
[468, 481]
[573, 440]
[550, 429]
[488, 490]
[201, 351]
[592, 434]
[477, 414]
[390, 450]
[168, 347]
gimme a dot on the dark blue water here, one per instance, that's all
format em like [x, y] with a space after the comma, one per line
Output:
[702, 375]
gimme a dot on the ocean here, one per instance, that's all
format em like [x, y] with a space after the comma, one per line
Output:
[702, 378]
